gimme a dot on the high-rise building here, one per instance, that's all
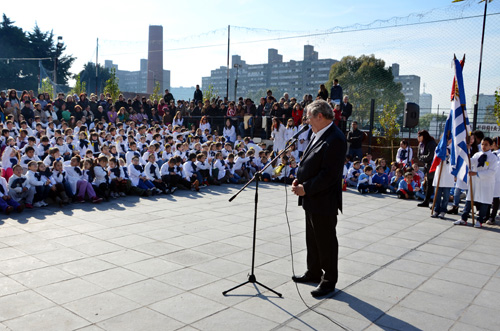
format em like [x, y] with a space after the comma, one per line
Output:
[155, 57]
[136, 81]
[295, 77]
[410, 85]
[425, 103]
[484, 109]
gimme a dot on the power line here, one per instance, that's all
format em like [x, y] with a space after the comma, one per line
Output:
[313, 34]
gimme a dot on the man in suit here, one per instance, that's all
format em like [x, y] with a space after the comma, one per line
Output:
[346, 109]
[319, 187]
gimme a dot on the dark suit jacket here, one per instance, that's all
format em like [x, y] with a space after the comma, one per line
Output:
[320, 172]
[346, 110]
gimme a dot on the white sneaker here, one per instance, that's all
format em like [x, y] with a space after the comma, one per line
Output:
[490, 222]
[460, 222]
[38, 204]
[44, 204]
[122, 194]
[442, 215]
[477, 224]
[435, 215]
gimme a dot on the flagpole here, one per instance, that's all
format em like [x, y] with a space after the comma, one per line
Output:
[470, 177]
[437, 186]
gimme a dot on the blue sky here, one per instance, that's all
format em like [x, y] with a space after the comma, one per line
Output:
[122, 29]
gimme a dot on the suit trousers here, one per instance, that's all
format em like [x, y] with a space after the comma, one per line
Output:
[322, 246]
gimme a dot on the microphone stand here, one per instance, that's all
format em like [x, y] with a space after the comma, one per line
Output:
[258, 177]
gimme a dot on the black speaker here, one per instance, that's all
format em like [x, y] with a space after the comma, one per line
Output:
[411, 115]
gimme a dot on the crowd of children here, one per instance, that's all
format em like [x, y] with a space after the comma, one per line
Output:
[404, 179]
[48, 162]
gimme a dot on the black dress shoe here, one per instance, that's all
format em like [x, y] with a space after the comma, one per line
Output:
[324, 288]
[305, 278]
[423, 204]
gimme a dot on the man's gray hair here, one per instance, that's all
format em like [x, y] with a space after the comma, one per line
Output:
[320, 107]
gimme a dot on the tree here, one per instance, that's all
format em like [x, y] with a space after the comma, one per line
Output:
[210, 93]
[388, 120]
[80, 86]
[112, 85]
[156, 93]
[23, 74]
[496, 106]
[47, 87]
[87, 75]
[364, 78]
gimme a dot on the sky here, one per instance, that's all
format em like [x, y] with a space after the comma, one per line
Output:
[424, 50]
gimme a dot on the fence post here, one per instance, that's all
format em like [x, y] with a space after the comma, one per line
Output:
[372, 118]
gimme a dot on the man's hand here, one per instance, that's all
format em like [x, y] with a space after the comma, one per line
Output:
[298, 189]
[5, 197]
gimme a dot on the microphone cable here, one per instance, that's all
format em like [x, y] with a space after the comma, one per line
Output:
[293, 266]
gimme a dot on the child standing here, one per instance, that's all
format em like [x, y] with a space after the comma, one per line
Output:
[446, 182]
[482, 174]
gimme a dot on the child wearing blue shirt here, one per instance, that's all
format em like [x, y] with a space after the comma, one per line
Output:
[407, 187]
[398, 177]
[365, 183]
[381, 180]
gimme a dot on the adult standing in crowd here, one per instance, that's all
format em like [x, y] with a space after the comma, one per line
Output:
[198, 95]
[346, 109]
[121, 103]
[426, 148]
[323, 92]
[319, 187]
[336, 92]
[168, 97]
[355, 139]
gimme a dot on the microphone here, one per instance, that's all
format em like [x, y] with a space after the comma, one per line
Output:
[301, 131]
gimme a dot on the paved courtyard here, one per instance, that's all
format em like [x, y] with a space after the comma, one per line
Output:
[161, 263]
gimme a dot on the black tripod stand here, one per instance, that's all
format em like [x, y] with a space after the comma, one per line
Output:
[257, 177]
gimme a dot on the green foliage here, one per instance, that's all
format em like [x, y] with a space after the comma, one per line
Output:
[88, 75]
[80, 86]
[156, 95]
[112, 85]
[425, 120]
[496, 106]
[364, 78]
[16, 43]
[210, 93]
[47, 87]
[388, 120]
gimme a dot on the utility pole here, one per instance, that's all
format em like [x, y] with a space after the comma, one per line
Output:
[474, 125]
[237, 66]
[96, 67]
[228, 43]
[58, 50]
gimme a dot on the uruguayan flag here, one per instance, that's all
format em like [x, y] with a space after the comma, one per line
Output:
[458, 122]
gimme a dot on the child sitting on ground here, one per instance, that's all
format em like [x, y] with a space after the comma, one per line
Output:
[407, 187]
[394, 185]
[353, 174]
[365, 183]
[381, 180]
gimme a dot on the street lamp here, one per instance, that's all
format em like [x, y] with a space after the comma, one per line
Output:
[59, 46]
[237, 66]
